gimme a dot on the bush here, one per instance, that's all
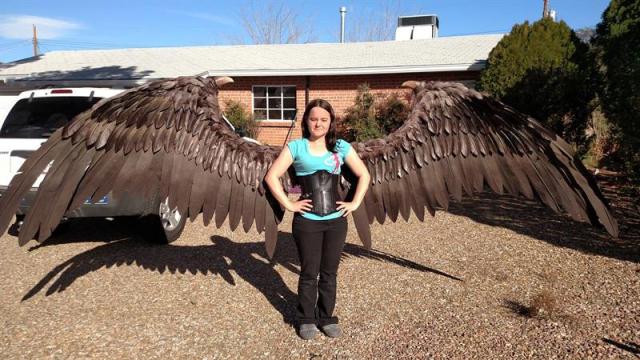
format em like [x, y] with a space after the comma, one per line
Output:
[392, 112]
[543, 70]
[241, 119]
[372, 116]
[617, 48]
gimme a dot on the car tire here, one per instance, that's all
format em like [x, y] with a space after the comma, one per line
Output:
[165, 226]
[14, 229]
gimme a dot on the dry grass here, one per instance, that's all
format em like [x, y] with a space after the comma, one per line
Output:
[543, 305]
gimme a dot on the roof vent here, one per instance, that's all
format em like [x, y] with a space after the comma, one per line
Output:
[417, 27]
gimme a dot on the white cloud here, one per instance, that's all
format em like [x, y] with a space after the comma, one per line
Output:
[207, 17]
[20, 27]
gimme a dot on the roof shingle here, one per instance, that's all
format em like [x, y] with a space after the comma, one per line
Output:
[456, 53]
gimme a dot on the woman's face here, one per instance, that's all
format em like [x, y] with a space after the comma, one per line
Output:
[318, 122]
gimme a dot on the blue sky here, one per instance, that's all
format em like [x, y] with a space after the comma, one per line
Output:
[74, 25]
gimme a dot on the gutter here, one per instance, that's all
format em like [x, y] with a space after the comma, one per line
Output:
[24, 81]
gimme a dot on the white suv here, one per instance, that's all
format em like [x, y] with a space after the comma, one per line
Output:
[27, 120]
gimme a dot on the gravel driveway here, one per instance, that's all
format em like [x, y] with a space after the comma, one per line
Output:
[491, 279]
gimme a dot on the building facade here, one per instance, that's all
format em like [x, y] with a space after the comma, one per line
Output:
[273, 82]
[278, 102]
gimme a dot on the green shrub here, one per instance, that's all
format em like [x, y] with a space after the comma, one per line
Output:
[241, 119]
[392, 112]
[372, 116]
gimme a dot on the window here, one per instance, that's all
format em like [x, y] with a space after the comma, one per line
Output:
[274, 102]
[40, 117]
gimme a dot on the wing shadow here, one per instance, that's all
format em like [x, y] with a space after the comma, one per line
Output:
[535, 220]
[248, 260]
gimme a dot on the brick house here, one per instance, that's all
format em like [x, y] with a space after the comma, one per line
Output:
[273, 81]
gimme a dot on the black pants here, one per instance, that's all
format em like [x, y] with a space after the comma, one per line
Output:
[319, 244]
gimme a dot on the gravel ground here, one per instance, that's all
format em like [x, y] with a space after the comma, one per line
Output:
[491, 279]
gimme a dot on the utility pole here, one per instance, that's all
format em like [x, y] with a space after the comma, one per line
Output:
[545, 9]
[36, 50]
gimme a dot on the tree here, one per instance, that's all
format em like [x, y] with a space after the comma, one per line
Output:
[273, 23]
[617, 47]
[373, 116]
[542, 69]
[373, 24]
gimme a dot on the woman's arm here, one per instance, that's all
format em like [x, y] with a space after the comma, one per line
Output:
[364, 179]
[277, 169]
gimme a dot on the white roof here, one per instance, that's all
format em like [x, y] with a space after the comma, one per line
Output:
[455, 53]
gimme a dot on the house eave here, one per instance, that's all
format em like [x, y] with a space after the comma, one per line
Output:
[378, 70]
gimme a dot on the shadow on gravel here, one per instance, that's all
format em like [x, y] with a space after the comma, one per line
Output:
[535, 220]
[246, 259]
[630, 347]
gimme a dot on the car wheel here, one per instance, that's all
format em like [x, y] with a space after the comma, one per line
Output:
[172, 221]
[14, 229]
[164, 227]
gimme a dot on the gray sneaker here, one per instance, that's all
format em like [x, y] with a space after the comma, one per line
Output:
[332, 330]
[308, 331]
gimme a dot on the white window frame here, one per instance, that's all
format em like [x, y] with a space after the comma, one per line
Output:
[282, 97]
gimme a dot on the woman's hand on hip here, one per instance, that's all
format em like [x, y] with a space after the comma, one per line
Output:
[347, 207]
[300, 206]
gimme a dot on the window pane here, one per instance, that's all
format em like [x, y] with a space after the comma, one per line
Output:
[40, 117]
[260, 114]
[274, 115]
[289, 114]
[259, 91]
[275, 103]
[259, 102]
[289, 91]
[290, 103]
[274, 91]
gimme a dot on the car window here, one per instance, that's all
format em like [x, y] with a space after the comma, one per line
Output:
[40, 117]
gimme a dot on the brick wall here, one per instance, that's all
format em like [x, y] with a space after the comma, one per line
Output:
[338, 90]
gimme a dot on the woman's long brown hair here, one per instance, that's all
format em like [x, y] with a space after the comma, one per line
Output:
[330, 137]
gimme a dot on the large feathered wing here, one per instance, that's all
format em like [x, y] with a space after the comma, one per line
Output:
[454, 141]
[164, 139]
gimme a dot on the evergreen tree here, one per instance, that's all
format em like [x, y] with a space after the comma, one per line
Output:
[542, 69]
[617, 47]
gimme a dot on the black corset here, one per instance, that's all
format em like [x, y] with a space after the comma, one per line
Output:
[322, 188]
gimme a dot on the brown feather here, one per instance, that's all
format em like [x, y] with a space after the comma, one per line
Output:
[222, 204]
[248, 208]
[271, 232]
[236, 201]
[198, 192]
[211, 199]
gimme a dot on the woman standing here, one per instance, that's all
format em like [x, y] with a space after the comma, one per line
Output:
[319, 224]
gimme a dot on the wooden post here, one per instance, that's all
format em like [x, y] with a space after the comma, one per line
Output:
[35, 41]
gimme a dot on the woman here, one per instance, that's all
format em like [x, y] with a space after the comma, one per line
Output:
[319, 229]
